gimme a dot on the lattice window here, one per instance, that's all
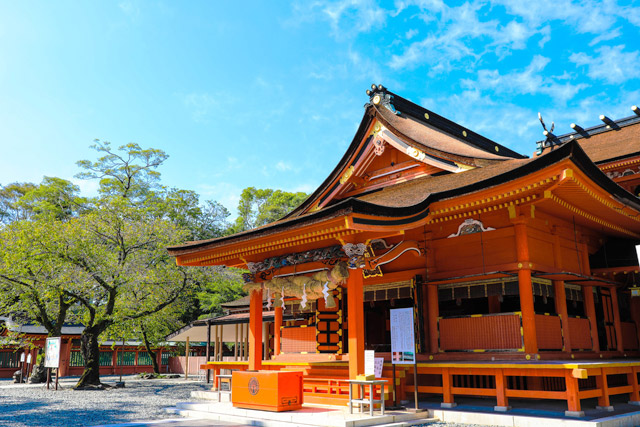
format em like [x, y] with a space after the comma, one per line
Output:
[298, 339]
[388, 291]
[164, 358]
[129, 358]
[8, 359]
[106, 358]
[76, 359]
[144, 359]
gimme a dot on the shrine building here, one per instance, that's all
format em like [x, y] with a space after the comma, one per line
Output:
[521, 271]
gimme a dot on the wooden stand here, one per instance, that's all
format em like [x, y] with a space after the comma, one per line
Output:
[370, 401]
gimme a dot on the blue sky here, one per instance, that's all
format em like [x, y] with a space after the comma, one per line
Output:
[269, 94]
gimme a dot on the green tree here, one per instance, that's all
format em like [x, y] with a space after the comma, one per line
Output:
[204, 221]
[220, 288]
[122, 271]
[31, 283]
[10, 210]
[54, 197]
[259, 207]
[128, 171]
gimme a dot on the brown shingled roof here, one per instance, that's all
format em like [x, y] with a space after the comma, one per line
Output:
[438, 142]
[613, 144]
[413, 192]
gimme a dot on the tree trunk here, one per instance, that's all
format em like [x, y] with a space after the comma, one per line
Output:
[152, 354]
[91, 352]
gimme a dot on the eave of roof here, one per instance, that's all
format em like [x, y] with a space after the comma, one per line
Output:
[571, 150]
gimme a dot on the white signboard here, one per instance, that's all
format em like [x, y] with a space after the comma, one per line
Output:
[52, 353]
[22, 357]
[29, 359]
[378, 364]
[638, 252]
[403, 345]
[369, 362]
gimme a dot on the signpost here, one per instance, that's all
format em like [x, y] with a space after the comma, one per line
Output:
[22, 360]
[403, 344]
[52, 357]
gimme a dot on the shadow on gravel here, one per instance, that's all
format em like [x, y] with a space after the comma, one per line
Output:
[23, 414]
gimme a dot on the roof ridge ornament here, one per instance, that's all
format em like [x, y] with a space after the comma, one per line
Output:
[378, 95]
[550, 138]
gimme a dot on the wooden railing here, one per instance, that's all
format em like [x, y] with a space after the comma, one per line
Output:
[629, 335]
[549, 332]
[481, 332]
[580, 330]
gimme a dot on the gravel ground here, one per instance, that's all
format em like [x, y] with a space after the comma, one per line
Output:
[27, 405]
[34, 405]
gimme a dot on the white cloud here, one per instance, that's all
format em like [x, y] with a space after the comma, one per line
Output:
[282, 166]
[530, 81]
[615, 33]
[461, 36]
[611, 64]
[411, 34]
[347, 18]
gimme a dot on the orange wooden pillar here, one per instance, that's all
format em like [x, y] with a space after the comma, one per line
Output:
[572, 394]
[632, 379]
[277, 331]
[447, 389]
[502, 400]
[525, 287]
[616, 320]
[355, 322]
[255, 331]
[590, 309]
[603, 400]
[433, 313]
[561, 308]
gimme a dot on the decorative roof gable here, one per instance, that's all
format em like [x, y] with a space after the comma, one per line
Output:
[399, 141]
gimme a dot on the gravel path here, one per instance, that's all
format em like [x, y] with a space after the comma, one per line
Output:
[29, 405]
[34, 405]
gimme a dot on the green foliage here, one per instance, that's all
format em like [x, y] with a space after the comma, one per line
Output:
[103, 262]
[128, 171]
[225, 286]
[10, 194]
[183, 207]
[259, 207]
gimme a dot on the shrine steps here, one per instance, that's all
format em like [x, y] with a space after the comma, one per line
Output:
[309, 415]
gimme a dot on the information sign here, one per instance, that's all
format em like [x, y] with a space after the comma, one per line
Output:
[52, 353]
[403, 346]
[379, 363]
[369, 362]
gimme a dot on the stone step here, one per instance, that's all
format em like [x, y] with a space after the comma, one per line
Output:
[308, 416]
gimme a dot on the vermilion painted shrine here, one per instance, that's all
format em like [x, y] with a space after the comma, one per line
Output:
[521, 271]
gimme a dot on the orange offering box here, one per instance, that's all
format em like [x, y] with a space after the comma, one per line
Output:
[267, 390]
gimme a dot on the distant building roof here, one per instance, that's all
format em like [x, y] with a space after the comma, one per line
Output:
[31, 328]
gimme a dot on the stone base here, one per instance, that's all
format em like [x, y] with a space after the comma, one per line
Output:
[605, 408]
[575, 414]
[634, 402]
[448, 405]
[502, 408]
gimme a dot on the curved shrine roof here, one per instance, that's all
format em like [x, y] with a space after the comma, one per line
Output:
[605, 142]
